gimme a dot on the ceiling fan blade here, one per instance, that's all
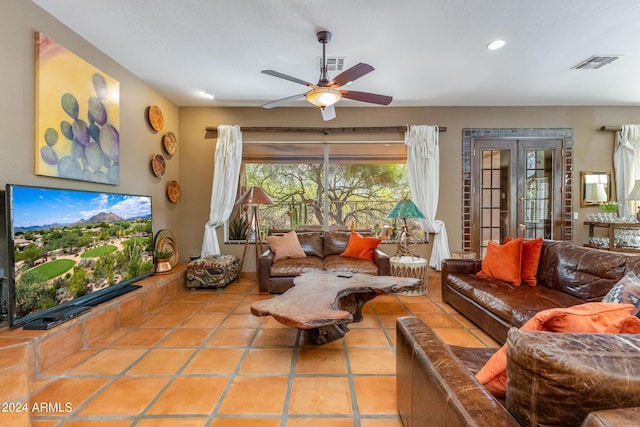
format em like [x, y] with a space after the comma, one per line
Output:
[283, 101]
[373, 98]
[351, 74]
[328, 113]
[287, 77]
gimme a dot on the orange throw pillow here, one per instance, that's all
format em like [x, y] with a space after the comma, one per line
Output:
[361, 247]
[591, 317]
[503, 262]
[286, 246]
[531, 250]
[625, 325]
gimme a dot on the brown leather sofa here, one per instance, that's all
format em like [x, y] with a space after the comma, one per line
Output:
[555, 379]
[567, 275]
[323, 251]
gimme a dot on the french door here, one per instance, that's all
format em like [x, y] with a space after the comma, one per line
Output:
[517, 189]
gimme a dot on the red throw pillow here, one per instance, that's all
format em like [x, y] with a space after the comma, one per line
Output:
[531, 250]
[503, 262]
[591, 317]
[361, 247]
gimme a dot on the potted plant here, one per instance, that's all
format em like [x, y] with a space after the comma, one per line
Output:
[161, 258]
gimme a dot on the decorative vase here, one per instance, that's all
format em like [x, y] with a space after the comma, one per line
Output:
[162, 266]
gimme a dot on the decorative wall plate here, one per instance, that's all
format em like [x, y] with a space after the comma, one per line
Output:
[158, 165]
[165, 241]
[155, 118]
[173, 191]
[170, 143]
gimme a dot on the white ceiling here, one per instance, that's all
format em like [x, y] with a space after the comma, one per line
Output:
[426, 52]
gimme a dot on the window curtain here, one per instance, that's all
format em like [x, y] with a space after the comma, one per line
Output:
[626, 165]
[227, 161]
[423, 162]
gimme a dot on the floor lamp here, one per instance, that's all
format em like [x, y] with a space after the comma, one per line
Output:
[253, 198]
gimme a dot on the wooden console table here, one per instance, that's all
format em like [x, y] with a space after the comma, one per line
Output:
[611, 228]
[322, 303]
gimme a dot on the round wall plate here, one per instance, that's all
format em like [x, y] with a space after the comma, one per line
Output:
[173, 191]
[155, 118]
[158, 165]
[170, 143]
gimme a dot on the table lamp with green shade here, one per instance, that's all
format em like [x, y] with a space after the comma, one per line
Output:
[405, 208]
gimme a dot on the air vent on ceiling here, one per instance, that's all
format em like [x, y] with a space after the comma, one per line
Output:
[334, 63]
[595, 62]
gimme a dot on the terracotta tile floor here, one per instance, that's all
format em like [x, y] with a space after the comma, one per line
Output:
[203, 359]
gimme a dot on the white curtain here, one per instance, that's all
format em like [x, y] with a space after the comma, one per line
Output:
[423, 161]
[626, 165]
[227, 161]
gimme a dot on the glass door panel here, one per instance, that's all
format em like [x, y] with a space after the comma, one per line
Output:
[517, 190]
[538, 202]
[494, 195]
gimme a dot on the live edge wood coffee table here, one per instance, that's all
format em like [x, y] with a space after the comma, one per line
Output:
[322, 303]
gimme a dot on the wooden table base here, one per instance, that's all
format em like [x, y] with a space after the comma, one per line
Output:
[322, 303]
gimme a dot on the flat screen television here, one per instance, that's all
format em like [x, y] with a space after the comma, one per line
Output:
[69, 250]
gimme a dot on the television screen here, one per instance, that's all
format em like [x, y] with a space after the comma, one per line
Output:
[69, 250]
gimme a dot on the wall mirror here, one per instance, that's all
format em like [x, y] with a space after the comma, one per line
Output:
[595, 188]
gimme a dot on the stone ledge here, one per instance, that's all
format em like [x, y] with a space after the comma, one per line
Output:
[27, 354]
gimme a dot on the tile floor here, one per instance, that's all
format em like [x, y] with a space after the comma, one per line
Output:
[203, 359]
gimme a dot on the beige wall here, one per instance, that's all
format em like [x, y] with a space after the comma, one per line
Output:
[592, 152]
[192, 165]
[19, 20]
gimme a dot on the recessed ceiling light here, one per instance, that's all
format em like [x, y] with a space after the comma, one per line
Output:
[208, 95]
[496, 44]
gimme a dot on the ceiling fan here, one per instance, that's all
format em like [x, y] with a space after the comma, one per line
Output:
[327, 92]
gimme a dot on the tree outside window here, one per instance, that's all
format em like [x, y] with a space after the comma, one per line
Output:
[358, 192]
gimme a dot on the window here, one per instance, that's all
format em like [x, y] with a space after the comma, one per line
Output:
[325, 186]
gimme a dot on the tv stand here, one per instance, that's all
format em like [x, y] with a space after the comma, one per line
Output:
[50, 320]
[54, 319]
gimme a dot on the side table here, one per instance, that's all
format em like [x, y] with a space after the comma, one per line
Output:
[410, 266]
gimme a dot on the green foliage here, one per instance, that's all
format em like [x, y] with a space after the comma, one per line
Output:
[238, 228]
[163, 254]
[105, 269]
[57, 281]
[29, 254]
[129, 260]
[78, 284]
[358, 193]
[49, 270]
[609, 207]
[99, 251]
[32, 295]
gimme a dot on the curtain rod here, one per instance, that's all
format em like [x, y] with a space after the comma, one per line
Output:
[326, 131]
[611, 128]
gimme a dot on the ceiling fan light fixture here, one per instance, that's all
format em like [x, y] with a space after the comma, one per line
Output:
[323, 96]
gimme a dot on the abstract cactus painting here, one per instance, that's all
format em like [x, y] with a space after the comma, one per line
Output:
[77, 117]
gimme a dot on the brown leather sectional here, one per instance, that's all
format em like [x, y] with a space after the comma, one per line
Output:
[323, 251]
[554, 379]
[567, 275]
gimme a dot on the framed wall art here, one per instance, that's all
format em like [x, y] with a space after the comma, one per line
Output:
[77, 117]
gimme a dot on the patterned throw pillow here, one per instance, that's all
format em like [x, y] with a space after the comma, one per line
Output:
[626, 291]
